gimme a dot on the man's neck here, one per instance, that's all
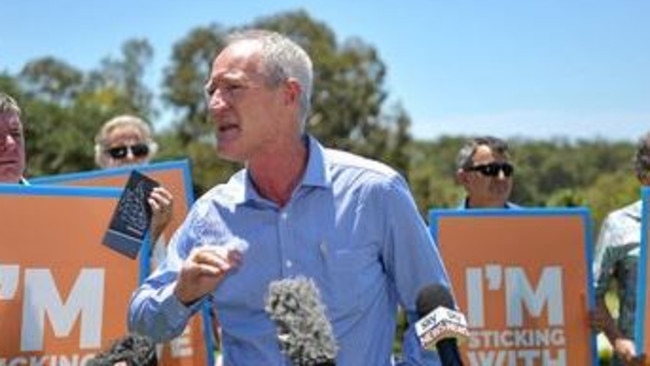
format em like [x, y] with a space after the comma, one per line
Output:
[485, 203]
[276, 176]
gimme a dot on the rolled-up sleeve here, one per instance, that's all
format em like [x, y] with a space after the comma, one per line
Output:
[412, 259]
[154, 310]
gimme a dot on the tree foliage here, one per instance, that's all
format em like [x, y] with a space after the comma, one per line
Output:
[63, 107]
[184, 80]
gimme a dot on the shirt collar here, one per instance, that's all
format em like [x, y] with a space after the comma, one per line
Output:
[465, 204]
[316, 173]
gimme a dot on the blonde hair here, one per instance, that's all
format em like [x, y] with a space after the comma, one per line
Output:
[101, 139]
[8, 104]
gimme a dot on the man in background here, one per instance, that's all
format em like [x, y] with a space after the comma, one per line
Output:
[127, 140]
[12, 141]
[485, 171]
[615, 262]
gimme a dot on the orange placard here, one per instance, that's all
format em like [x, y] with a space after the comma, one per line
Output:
[523, 279]
[175, 176]
[191, 348]
[58, 283]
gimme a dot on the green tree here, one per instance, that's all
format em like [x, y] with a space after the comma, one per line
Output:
[51, 80]
[347, 103]
[348, 84]
[184, 81]
[120, 81]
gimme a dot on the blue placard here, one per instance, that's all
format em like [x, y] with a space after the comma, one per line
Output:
[641, 311]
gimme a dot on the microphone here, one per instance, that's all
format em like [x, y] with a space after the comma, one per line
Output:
[439, 326]
[304, 332]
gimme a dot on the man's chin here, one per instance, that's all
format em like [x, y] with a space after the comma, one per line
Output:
[9, 178]
[229, 155]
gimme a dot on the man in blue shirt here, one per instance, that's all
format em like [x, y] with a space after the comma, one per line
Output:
[346, 222]
[485, 171]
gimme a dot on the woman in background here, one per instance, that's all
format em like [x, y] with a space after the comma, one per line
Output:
[127, 140]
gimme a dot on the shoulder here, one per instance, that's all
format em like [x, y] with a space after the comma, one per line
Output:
[622, 226]
[514, 206]
[226, 194]
[624, 215]
[360, 170]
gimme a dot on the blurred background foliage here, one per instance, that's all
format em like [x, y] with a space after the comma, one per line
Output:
[63, 108]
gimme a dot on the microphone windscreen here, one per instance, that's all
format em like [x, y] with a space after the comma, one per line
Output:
[304, 332]
[432, 296]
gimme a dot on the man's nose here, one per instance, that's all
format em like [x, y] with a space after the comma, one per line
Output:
[217, 100]
[10, 142]
[501, 175]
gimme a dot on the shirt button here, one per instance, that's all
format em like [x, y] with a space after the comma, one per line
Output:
[288, 263]
[284, 215]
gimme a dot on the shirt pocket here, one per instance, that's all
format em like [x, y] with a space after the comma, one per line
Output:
[344, 275]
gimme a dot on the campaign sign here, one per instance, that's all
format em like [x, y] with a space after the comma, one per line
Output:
[175, 176]
[642, 324]
[523, 279]
[62, 293]
[194, 346]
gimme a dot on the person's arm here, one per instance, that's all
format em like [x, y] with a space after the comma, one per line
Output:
[605, 260]
[162, 306]
[413, 261]
[603, 321]
[154, 309]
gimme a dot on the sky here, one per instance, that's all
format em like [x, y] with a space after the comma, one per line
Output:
[538, 69]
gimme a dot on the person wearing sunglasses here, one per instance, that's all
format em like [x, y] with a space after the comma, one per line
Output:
[485, 171]
[124, 140]
[12, 142]
[127, 140]
[616, 257]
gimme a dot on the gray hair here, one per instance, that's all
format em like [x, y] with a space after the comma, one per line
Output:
[466, 153]
[126, 120]
[282, 58]
[8, 104]
[642, 156]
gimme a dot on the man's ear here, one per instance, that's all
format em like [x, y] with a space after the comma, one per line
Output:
[292, 91]
[644, 179]
[462, 177]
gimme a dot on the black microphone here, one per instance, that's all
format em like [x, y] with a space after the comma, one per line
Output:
[304, 332]
[439, 325]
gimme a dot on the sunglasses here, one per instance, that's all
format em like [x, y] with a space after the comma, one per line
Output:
[493, 169]
[120, 152]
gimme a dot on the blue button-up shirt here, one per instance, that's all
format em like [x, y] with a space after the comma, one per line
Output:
[351, 225]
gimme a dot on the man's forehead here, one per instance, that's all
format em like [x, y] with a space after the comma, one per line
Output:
[484, 152]
[9, 119]
[240, 57]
